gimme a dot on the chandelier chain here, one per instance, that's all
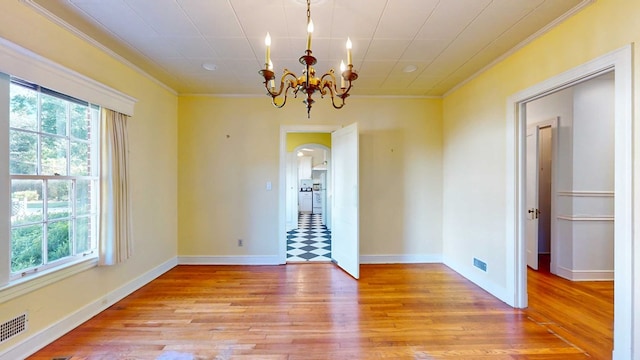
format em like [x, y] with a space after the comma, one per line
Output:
[308, 11]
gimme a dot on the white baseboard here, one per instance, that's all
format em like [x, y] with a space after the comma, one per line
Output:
[585, 275]
[229, 260]
[479, 278]
[46, 336]
[400, 259]
[275, 260]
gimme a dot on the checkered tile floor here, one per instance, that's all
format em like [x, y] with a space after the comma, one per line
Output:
[311, 241]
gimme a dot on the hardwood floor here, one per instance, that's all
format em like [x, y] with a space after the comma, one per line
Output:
[580, 312]
[316, 311]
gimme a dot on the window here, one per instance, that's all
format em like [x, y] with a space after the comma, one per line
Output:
[53, 166]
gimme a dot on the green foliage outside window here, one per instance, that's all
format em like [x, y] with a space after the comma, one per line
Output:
[50, 136]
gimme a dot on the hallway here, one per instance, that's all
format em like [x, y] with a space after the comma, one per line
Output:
[311, 241]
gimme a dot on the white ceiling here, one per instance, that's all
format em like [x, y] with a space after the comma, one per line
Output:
[447, 40]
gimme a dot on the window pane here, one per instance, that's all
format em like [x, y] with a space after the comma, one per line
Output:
[80, 121]
[23, 149]
[26, 201]
[52, 218]
[26, 247]
[80, 159]
[58, 244]
[83, 234]
[84, 191]
[24, 108]
[54, 155]
[53, 115]
[58, 204]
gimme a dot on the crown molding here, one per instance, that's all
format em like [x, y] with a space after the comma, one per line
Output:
[75, 31]
[522, 44]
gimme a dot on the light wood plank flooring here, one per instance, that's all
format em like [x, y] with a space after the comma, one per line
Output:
[580, 312]
[316, 311]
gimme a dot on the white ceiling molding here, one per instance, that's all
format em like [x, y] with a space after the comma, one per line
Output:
[524, 43]
[58, 21]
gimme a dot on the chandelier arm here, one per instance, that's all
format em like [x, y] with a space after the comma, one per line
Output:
[282, 82]
[330, 75]
[345, 93]
[328, 83]
[324, 85]
[290, 84]
[332, 84]
[341, 97]
[333, 92]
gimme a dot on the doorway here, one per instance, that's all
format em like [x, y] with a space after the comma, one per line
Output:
[570, 206]
[342, 193]
[626, 330]
[308, 174]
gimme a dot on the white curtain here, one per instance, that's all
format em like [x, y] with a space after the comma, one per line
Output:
[115, 213]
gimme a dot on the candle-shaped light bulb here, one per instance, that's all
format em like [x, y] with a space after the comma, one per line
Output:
[309, 32]
[342, 69]
[267, 42]
[272, 82]
[349, 46]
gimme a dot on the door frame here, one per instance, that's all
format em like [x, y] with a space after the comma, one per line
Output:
[626, 277]
[282, 190]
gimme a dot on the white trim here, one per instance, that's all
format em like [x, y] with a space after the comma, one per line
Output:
[229, 260]
[5, 178]
[401, 259]
[58, 21]
[363, 96]
[46, 336]
[275, 260]
[627, 277]
[25, 64]
[523, 43]
[25, 285]
[585, 275]
[586, 193]
[586, 218]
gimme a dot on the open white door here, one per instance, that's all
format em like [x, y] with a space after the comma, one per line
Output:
[345, 241]
[531, 230]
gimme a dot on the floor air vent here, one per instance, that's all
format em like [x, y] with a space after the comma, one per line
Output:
[13, 327]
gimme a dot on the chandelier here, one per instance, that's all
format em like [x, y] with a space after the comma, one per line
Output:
[308, 83]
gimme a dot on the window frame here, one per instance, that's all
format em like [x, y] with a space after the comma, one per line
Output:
[26, 64]
[68, 140]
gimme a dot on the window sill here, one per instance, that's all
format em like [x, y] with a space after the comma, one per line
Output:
[19, 287]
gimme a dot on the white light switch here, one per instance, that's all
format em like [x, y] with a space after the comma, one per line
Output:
[268, 186]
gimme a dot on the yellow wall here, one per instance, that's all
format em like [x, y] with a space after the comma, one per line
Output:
[153, 155]
[474, 140]
[296, 139]
[229, 148]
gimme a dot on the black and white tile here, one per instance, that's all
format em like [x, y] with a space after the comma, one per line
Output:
[311, 241]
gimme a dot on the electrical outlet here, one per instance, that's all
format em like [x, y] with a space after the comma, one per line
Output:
[240, 242]
[480, 264]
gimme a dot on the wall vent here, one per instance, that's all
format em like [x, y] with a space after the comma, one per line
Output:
[480, 264]
[13, 327]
